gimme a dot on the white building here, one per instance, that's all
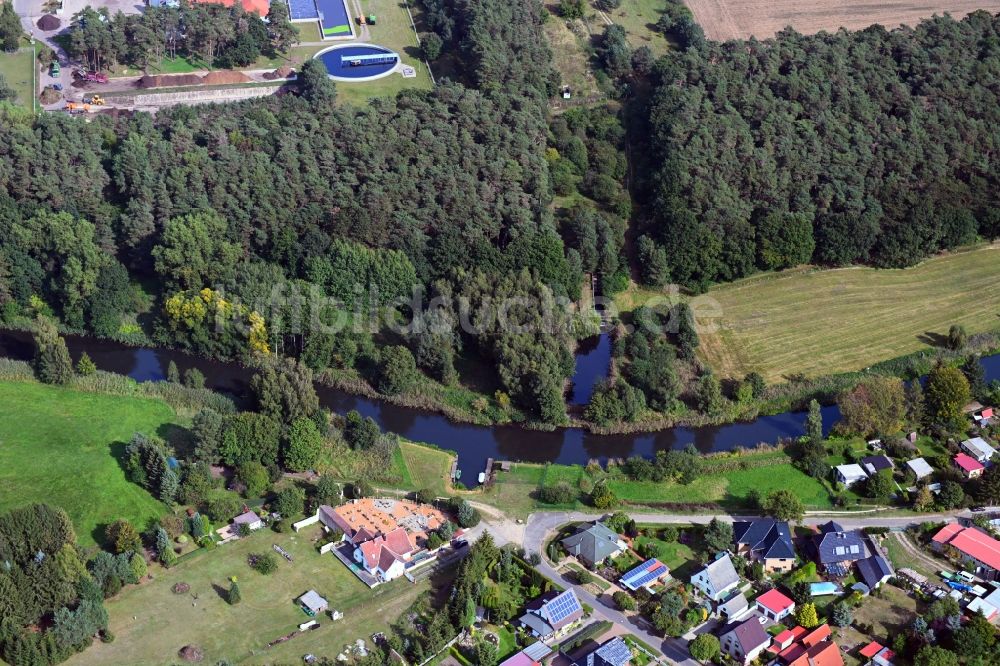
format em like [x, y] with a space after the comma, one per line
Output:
[850, 474]
[718, 579]
[978, 448]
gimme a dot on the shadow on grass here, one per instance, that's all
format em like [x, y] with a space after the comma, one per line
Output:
[223, 592]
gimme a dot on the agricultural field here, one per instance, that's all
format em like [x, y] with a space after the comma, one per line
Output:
[821, 322]
[739, 19]
[151, 623]
[81, 436]
[16, 69]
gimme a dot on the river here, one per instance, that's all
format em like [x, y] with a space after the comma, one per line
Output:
[474, 444]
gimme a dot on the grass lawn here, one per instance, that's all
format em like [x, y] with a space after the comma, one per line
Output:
[151, 623]
[16, 69]
[427, 467]
[729, 489]
[78, 435]
[888, 615]
[821, 322]
[902, 558]
[639, 18]
[676, 555]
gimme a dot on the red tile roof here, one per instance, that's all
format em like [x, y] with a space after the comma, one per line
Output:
[968, 463]
[259, 7]
[817, 635]
[825, 654]
[972, 542]
[775, 601]
[987, 413]
[870, 650]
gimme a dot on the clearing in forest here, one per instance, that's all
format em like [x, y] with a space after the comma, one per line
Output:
[739, 19]
[821, 322]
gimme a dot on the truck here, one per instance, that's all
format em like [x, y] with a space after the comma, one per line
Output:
[91, 77]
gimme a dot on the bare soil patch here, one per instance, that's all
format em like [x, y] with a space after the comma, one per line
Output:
[739, 19]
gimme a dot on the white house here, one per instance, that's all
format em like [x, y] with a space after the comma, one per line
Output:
[850, 474]
[744, 641]
[250, 519]
[718, 579]
[978, 448]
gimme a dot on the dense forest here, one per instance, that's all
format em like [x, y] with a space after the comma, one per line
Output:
[853, 147]
[135, 227]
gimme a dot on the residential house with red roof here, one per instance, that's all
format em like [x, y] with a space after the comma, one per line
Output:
[973, 545]
[801, 647]
[774, 605]
[876, 654]
[968, 466]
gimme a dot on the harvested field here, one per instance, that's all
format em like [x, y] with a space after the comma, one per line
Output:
[739, 19]
[820, 322]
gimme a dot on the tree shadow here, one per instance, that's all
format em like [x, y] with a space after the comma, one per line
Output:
[223, 592]
[414, 52]
[98, 534]
[179, 438]
[933, 339]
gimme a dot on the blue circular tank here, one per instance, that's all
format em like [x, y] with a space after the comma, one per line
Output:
[358, 62]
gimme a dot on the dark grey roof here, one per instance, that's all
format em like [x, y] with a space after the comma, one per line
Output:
[830, 526]
[834, 547]
[749, 634]
[878, 463]
[536, 624]
[766, 537]
[873, 570]
[613, 653]
[594, 542]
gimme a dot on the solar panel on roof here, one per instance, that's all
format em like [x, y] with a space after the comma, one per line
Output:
[562, 606]
[839, 550]
[855, 549]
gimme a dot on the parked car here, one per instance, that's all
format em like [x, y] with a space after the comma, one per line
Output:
[54, 69]
[977, 509]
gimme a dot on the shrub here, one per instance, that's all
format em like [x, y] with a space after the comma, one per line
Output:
[560, 493]
[624, 600]
[263, 563]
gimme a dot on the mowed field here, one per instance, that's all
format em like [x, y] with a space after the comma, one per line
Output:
[739, 19]
[61, 447]
[151, 623]
[821, 322]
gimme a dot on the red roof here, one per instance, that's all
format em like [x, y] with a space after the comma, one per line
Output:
[945, 534]
[817, 635]
[968, 463]
[775, 601]
[972, 542]
[870, 650]
[825, 654]
[987, 413]
[259, 7]
[784, 638]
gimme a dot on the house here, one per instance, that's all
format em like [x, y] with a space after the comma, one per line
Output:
[875, 464]
[529, 656]
[836, 549]
[385, 534]
[718, 579]
[765, 540]
[874, 571]
[877, 654]
[733, 608]
[593, 543]
[802, 647]
[920, 468]
[978, 448]
[615, 652]
[647, 575]
[312, 603]
[551, 616]
[981, 605]
[984, 417]
[743, 641]
[774, 605]
[968, 466]
[250, 519]
[973, 546]
[850, 474]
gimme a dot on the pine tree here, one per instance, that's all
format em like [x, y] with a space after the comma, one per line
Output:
[85, 366]
[814, 423]
[52, 362]
[233, 597]
[173, 374]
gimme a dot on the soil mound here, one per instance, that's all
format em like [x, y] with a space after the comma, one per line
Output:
[224, 77]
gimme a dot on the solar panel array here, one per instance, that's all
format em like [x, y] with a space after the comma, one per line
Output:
[562, 607]
[644, 574]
